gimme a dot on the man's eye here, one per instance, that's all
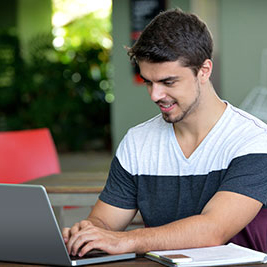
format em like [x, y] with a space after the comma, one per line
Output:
[169, 83]
[147, 82]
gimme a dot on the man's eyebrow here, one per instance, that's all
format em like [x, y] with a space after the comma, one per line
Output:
[146, 80]
[170, 78]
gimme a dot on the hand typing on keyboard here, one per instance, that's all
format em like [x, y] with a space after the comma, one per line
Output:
[84, 236]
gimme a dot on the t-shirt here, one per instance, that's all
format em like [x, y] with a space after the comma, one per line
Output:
[150, 172]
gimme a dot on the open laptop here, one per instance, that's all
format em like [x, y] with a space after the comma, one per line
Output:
[29, 232]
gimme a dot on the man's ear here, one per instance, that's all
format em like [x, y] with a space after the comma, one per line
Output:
[205, 71]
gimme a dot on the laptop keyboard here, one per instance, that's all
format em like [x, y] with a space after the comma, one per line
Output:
[91, 254]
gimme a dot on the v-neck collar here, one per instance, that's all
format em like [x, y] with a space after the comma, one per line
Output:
[204, 141]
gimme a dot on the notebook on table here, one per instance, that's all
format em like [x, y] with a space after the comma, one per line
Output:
[29, 232]
[230, 254]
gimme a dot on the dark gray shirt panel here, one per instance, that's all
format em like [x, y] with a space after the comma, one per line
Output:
[163, 199]
[120, 189]
[247, 175]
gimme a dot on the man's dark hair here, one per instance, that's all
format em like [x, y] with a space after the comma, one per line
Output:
[174, 35]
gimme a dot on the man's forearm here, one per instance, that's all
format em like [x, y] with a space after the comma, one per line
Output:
[214, 226]
[195, 231]
[98, 222]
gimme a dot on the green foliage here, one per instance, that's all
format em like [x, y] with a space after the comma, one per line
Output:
[66, 90]
[90, 29]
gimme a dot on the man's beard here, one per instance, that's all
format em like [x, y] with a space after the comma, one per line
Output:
[184, 112]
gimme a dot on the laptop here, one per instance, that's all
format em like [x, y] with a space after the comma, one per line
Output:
[29, 232]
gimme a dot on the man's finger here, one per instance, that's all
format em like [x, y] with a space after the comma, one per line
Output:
[88, 247]
[84, 224]
[66, 234]
[79, 243]
[75, 228]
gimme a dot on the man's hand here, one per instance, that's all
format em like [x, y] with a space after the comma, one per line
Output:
[102, 230]
[84, 236]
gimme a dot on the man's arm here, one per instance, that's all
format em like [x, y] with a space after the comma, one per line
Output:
[224, 216]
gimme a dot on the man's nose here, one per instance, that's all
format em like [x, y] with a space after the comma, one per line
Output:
[156, 92]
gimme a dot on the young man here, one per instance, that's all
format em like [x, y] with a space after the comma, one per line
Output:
[197, 172]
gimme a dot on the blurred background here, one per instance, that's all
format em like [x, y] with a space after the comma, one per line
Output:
[63, 66]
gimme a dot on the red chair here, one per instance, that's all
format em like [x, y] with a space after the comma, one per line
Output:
[26, 155]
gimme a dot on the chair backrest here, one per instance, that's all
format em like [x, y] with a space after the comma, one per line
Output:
[26, 155]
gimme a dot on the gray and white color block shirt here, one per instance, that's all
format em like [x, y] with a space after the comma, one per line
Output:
[150, 172]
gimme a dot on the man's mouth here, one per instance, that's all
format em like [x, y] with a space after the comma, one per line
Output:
[166, 107]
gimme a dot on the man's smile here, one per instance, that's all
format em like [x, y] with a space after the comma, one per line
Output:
[166, 107]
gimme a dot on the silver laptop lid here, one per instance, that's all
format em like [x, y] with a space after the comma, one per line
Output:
[28, 228]
[29, 231]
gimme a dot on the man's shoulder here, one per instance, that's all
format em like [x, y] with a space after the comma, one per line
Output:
[244, 133]
[156, 121]
[152, 127]
[136, 145]
[241, 117]
[241, 125]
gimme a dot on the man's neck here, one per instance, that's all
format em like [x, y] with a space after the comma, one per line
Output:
[192, 130]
